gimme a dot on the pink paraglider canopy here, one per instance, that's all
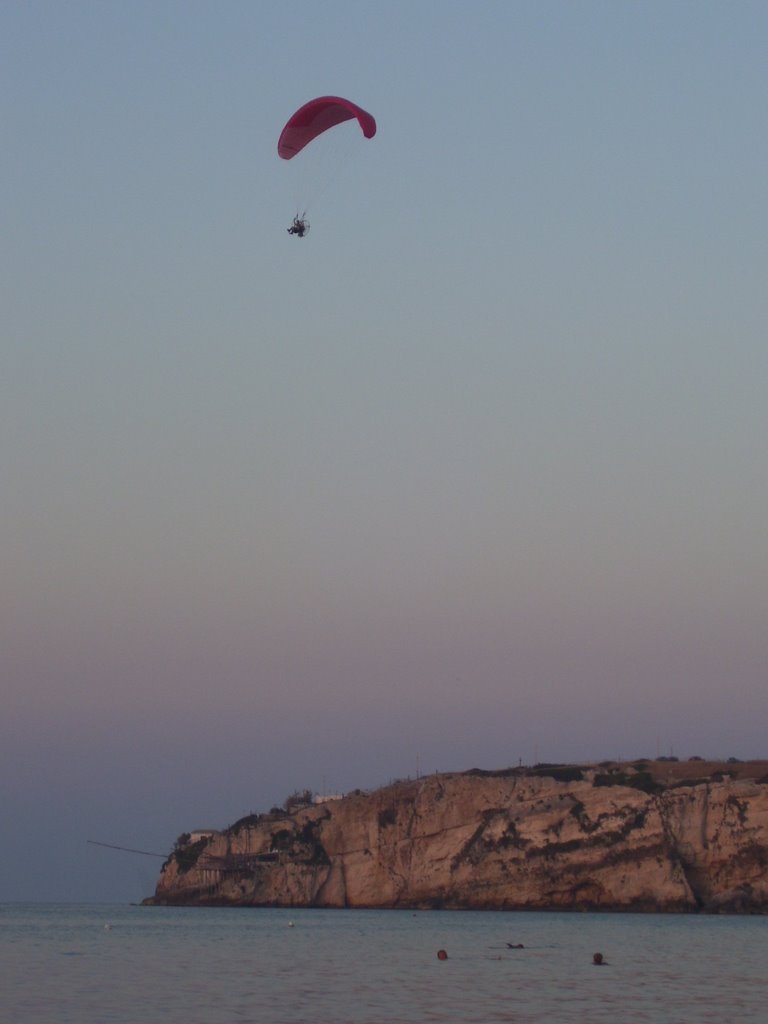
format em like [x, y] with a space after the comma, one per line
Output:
[317, 117]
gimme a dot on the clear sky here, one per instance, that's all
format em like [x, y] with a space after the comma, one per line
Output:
[474, 473]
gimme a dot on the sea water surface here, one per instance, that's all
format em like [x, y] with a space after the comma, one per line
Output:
[145, 965]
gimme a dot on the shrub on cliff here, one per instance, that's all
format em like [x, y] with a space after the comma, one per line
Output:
[247, 822]
[187, 856]
[313, 847]
[558, 772]
[639, 780]
[281, 841]
[297, 800]
[387, 817]
[303, 847]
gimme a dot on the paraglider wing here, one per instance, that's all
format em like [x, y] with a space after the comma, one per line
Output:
[317, 117]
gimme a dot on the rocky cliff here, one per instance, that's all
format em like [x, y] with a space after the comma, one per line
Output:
[612, 837]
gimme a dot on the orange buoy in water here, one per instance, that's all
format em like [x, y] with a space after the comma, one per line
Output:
[442, 955]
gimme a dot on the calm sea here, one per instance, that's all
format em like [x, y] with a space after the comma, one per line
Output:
[135, 965]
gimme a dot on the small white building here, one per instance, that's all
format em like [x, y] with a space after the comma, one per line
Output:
[202, 833]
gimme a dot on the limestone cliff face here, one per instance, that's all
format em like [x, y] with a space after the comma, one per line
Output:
[514, 840]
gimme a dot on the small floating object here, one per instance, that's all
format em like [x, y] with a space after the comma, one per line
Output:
[597, 959]
[442, 955]
[107, 927]
[290, 924]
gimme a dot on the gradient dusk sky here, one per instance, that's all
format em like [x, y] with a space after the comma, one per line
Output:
[475, 473]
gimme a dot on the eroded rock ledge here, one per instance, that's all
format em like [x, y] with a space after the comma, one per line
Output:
[644, 836]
